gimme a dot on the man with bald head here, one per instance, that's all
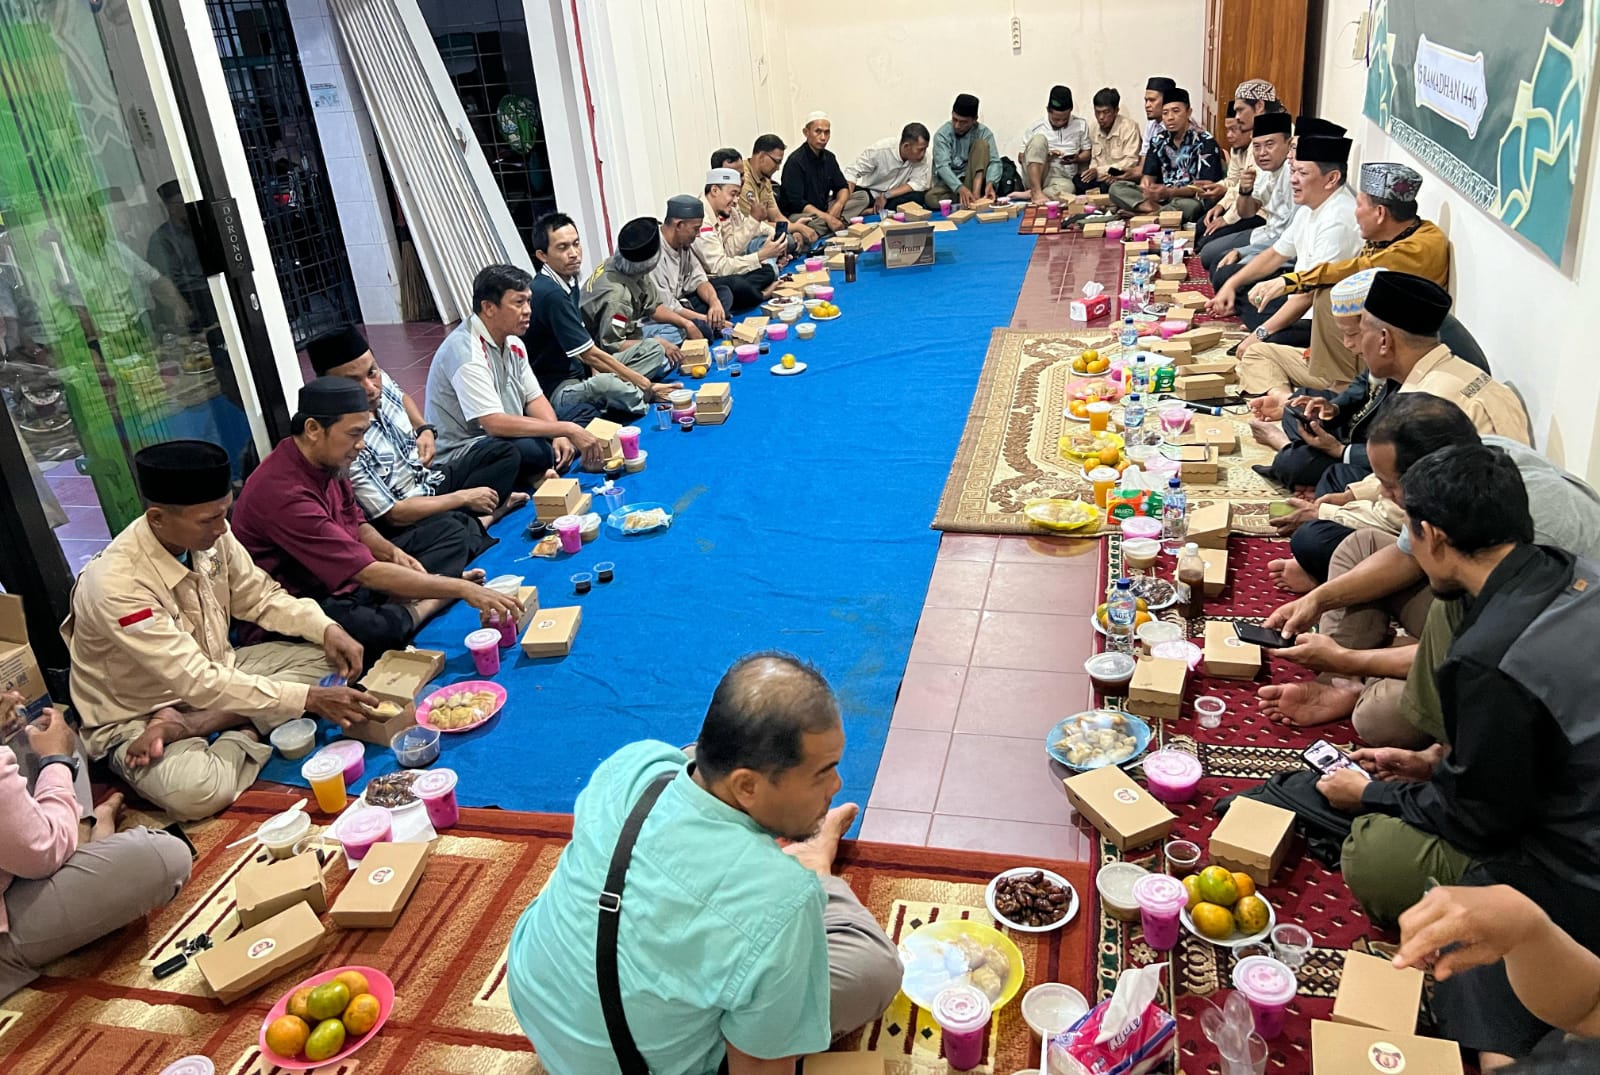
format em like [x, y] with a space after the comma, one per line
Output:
[735, 948]
[814, 187]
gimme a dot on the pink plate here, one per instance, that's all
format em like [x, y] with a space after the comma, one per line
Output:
[1079, 388]
[473, 685]
[378, 984]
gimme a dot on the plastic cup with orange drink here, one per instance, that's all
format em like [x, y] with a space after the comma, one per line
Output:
[325, 774]
[1099, 416]
[1105, 479]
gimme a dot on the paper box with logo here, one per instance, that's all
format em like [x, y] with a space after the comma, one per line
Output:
[1375, 993]
[19, 669]
[382, 882]
[1125, 813]
[259, 954]
[552, 632]
[906, 246]
[1194, 388]
[1197, 463]
[1170, 271]
[261, 891]
[1227, 656]
[556, 497]
[1208, 524]
[396, 679]
[1201, 339]
[1221, 434]
[1337, 1049]
[1216, 561]
[1156, 690]
[1253, 837]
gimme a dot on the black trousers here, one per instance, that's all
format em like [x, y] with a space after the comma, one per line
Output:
[445, 543]
[372, 619]
[1246, 225]
[745, 289]
[1313, 545]
[695, 304]
[488, 461]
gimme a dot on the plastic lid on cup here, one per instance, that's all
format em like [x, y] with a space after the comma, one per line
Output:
[682, 396]
[434, 782]
[1110, 666]
[484, 637]
[366, 825]
[1179, 649]
[346, 750]
[1160, 892]
[1099, 407]
[504, 584]
[1265, 980]
[631, 431]
[568, 522]
[1173, 766]
[323, 765]
[190, 1065]
[284, 828]
[961, 1008]
[1104, 474]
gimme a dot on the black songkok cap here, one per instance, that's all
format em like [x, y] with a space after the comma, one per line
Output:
[966, 105]
[342, 345]
[1161, 85]
[330, 397]
[1410, 303]
[1060, 99]
[184, 472]
[1271, 123]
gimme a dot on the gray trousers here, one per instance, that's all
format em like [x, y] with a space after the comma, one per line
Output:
[863, 965]
[101, 888]
[606, 392]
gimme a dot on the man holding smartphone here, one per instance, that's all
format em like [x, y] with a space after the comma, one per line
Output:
[1116, 144]
[738, 252]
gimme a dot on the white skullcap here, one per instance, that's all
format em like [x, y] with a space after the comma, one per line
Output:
[1349, 296]
[719, 176]
[814, 117]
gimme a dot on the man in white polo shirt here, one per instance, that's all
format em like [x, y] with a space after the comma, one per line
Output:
[1054, 148]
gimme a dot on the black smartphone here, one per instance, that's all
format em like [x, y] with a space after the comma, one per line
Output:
[1323, 757]
[1298, 415]
[1260, 636]
[176, 830]
[780, 229]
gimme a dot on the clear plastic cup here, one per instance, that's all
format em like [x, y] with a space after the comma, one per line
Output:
[569, 528]
[190, 1065]
[663, 415]
[722, 354]
[582, 582]
[357, 834]
[605, 571]
[1268, 985]
[506, 624]
[1172, 775]
[325, 774]
[628, 437]
[437, 790]
[280, 832]
[1104, 478]
[1209, 710]
[1099, 416]
[295, 739]
[1160, 898]
[963, 1014]
[944, 206]
[484, 645]
[1292, 943]
[612, 496]
[1183, 857]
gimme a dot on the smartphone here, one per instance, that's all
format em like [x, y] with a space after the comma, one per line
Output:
[1323, 757]
[176, 830]
[780, 229]
[1298, 415]
[1260, 636]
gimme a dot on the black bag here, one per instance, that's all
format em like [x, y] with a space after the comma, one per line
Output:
[1010, 179]
[1323, 827]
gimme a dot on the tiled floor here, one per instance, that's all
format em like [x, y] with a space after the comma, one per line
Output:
[998, 657]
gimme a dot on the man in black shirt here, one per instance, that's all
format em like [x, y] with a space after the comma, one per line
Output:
[1511, 797]
[581, 379]
[814, 188]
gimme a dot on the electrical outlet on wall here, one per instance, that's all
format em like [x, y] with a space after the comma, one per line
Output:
[1016, 35]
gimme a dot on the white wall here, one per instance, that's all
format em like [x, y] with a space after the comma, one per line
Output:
[1532, 318]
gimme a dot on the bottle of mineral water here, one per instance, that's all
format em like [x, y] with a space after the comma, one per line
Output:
[1130, 334]
[1166, 247]
[1133, 420]
[1121, 610]
[1141, 376]
[1174, 518]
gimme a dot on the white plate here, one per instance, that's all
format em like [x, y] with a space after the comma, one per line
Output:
[1053, 878]
[835, 317]
[799, 367]
[1237, 940]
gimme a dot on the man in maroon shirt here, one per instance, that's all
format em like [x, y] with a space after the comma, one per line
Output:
[298, 517]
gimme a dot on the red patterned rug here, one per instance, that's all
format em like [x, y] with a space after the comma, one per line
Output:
[1246, 749]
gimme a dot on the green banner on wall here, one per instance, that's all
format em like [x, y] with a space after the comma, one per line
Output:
[1490, 94]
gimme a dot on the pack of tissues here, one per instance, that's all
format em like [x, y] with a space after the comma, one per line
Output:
[1128, 1034]
[1095, 303]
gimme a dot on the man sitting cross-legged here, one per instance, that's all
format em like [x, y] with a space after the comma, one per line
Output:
[738, 253]
[1118, 147]
[731, 946]
[687, 293]
[966, 158]
[890, 173]
[814, 188]
[621, 303]
[1183, 166]
[1372, 577]
[1054, 149]
[153, 673]
[298, 516]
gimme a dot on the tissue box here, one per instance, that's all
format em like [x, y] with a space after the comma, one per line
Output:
[1094, 231]
[1172, 272]
[1209, 525]
[1125, 813]
[1087, 309]
[557, 497]
[1216, 570]
[1199, 388]
[1197, 463]
[1253, 837]
[1375, 993]
[1156, 690]
[259, 954]
[260, 892]
[1337, 1049]
[1140, 1047]
[1227, 656]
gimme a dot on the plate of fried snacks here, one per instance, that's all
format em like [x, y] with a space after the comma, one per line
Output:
[1097, 738]
[461, 706]
[633, 519]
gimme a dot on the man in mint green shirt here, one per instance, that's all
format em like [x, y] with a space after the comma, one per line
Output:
[729, 946]
[966, 158]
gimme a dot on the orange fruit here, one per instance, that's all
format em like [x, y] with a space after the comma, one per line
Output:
[1109, 455]
[326, 1040]
[1251, 914]
[362, 1014]
[354, 981]
[328, 1000]
[299, 1004]
[1140, 619]
[1191, 884]
[1211, 920]
[287, 1036]
[1246, 885]
[1098, 365]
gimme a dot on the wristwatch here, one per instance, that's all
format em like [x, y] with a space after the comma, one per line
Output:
[424, 428]
[69, 760]
[1261, 332]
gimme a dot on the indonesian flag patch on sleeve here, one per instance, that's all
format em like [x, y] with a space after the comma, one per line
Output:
[142, 620]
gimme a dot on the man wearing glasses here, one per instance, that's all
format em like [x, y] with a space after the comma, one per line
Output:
[757, 198]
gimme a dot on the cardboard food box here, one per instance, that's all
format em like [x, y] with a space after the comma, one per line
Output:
[1253, 837]
[714, 416]
[1209, 524]
[397, 677]
[19, 668]
[802, 278]
[1375, 993]
[914, 210]
[961, 216]
[556, 497]
[1226, 368]
[692, 349]
[845, 242]
[259, 954]
[1164, 289]
[1216, 561]
[1170, 218]
[906, 246]
[1182, 354]
[1227, 656]
[1142, 220]
[835, 261]
[1201, 339]
[1087, 309]
[376, 894]
[1097, 198]
[1197, 463]
[1218, 433]
[1133, 248]
[980, 203]
[713, 396]
[529, 596]
[1125, 813]
[1156, 690]
[1193, 299]
[552, 632]
[1180, 313]
[261, 891]
[993, 216]
[1210, 386]
[750, 329]
[1171, 272]
[1094, 231]
[1338, 1049]
[605, 431]
[861, 229]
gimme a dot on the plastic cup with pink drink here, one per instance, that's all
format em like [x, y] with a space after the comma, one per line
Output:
[351, 754]
[437, 790]
[1052, 210]
[1269, 985]
[963, 1013]
[569, 528]
[1160, 898]
[358, 832]
[944, 206]
[1172, 775]
[484, 645]
[628, 437]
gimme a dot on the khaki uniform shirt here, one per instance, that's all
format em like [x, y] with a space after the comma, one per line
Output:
[757, 191]
[1494, 409]
[1120, 147]
[721, 244]
[147, 632]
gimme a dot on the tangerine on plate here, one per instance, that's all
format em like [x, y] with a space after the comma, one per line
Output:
[287, 1035]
